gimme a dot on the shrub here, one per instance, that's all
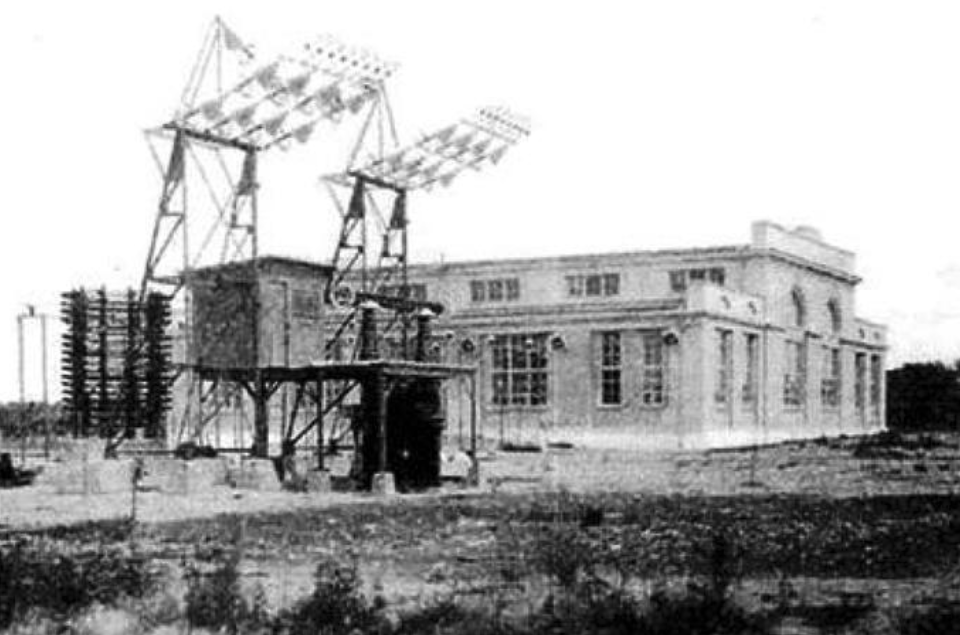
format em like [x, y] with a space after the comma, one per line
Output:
[215, 600]
[38, 575]
[941, 618]
[564, 553]
[335, 607]
[697, 611]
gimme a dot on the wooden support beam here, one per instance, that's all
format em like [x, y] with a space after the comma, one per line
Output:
[261, 419]
[381, 396]
[319, 402]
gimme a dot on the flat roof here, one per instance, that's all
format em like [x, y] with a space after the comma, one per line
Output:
[266, 264]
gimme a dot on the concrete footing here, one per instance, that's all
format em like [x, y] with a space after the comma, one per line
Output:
[175, 476]
[318, 481]
[254, 474]
[383, 484]
[89, 477]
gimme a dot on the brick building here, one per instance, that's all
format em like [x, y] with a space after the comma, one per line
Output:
[677, 348]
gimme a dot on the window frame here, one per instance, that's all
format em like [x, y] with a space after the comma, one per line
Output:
[519, 370]
[610, 365]
[798, 308]
[750, 391]
[494, 290]
[654, 392]
[831, 378]
[794, 375]
[875, 397]
[723, 388]
[860, 381]
[478, 291]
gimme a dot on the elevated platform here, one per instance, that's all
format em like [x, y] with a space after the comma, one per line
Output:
[375, 378]
[323, 371]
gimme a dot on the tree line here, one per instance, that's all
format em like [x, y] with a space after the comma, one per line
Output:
[924, 396]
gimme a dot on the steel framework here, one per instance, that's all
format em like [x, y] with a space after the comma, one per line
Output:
[214, 142]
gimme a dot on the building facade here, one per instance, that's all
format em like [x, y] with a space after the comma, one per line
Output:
[706, 347]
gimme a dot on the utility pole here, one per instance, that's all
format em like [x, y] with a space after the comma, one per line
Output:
[31, 314]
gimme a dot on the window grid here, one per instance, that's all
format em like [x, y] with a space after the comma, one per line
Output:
[519, 369]
[610, 369]
[593, 285]
[495, 290]
[653, 390]
[680, 278]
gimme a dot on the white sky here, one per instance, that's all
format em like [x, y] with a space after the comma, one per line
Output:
[656, 124]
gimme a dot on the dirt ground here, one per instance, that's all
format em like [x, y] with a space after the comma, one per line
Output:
[813, 524]
[835, 468]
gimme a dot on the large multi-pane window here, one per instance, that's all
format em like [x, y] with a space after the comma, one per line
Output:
[653, 390]
[724, 381]
[594, 284]
[495, 290]
[794, 375]
[860, 381]
[830, 377]
[610, 369]
[519, 369]
[751, 373]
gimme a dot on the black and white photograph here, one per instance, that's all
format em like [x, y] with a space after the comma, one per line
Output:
[494, 318]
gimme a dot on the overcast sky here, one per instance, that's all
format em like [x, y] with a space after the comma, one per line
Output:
[656, 124]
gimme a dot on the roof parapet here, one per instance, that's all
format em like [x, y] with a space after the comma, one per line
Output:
[804, 242]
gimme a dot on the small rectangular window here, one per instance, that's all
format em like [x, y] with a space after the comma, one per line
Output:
[718, 275]
[495, 290]
[678, 281]
[594, 285]
[513, 288]
[611, 284]
[574, 286]
[697, 274]
[478, 291]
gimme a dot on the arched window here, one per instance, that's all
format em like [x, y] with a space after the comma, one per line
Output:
[836, 317]
[798, 308]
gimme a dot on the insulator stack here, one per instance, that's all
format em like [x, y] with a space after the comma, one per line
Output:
[116, 362]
